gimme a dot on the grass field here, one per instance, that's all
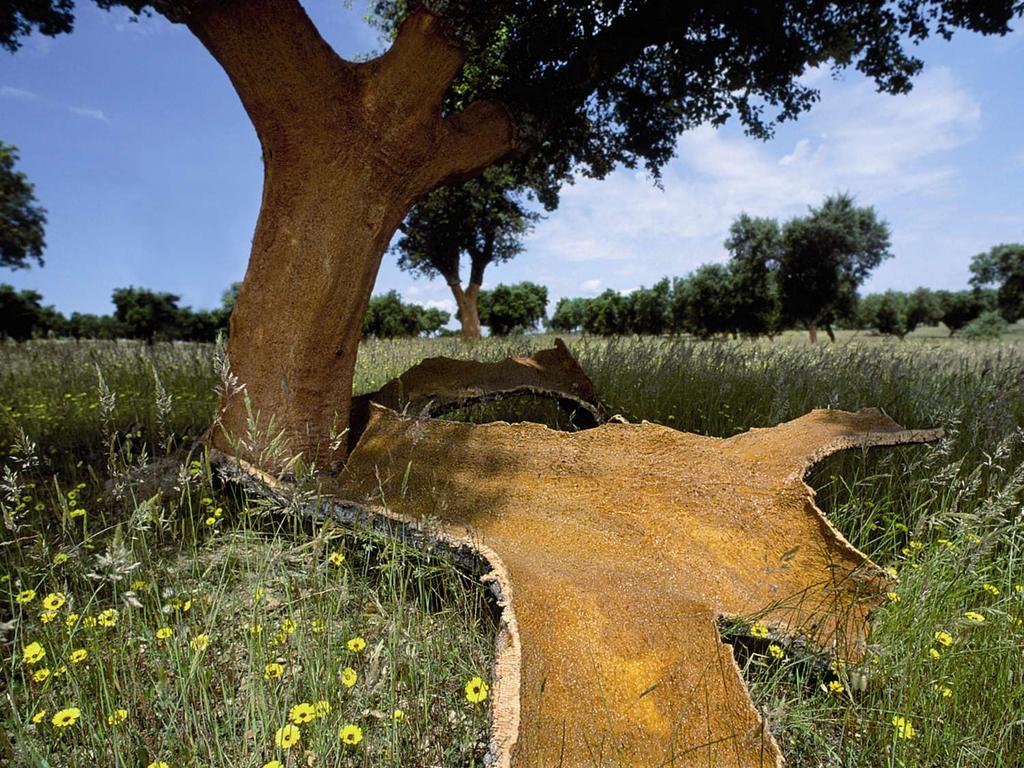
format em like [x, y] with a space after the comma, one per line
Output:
[184, 622]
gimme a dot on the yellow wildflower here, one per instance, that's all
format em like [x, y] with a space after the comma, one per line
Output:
[356, 644]
[934, 653]
[476, 690]
[61, 670]
[47, 616]
[25, 596]
[398, 716]
[89, 622]
[76, 513]
[258, 594]
[38, 717]
[944, 638]
[904, 729]
[337, 558]
[164, 632]
[70, 619]
[108, 618]
[348, 677]
[975, 617]
[759, 630]
[158, 764]
[255, 629]
[200, 643]
[287, 737]
[273, 671]
[66, 717]
[302, 713]
[288, 626]
[894, 597]
[79, 655]
[323, 708]
[54, 601]
[41, 675]
[350, 734]
[60, 558]
[316, 626]
[33, 653]
[836, 687]
[944, 691]
[776, 651]
[274, 764]
[118, 717]
[991, 589]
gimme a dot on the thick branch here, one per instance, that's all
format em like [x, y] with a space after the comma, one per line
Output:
[276, 59]
[474, 139]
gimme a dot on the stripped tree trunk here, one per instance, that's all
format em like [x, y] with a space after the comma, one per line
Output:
[469, 311]
[347, 150]
[812, 332]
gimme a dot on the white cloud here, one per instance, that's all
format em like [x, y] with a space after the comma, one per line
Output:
[448, 305]
[94, 114]
[590, 286]
[889, 151]
[11, 92]
[18, 93]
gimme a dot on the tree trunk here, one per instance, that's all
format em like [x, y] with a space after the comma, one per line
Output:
[812, 332]
[347, 150]
[469, 313]
[831, 333]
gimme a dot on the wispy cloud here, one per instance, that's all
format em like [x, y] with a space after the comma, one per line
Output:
[10, 92]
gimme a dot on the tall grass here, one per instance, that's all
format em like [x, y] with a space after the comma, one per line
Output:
[86, 424]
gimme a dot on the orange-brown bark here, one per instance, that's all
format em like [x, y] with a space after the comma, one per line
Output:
[347, 149]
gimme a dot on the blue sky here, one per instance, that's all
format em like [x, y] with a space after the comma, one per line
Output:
[150, 171]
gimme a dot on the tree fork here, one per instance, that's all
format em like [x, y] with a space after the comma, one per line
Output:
[347, 150]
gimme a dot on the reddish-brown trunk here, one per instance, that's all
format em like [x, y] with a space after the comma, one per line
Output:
[469, 311]
[812, 331]
[347, 150]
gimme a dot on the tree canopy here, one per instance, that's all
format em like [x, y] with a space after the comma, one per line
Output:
[21, 218]
[513, 308]
[1003, 267]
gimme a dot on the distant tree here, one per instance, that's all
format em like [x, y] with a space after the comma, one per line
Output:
[1003, 267]
[710, 308]
[513, 308]
[20, 313]
[607, 314]
[388, 317]
[145, 314]
[755, 248]
[201, 325]
[568, 315]
[894, 313]
[485, 219]
[988, 326]
[21, 218]
[958, 308]
[229, 297]
[89, 326]
[650, 308]
[824, 259]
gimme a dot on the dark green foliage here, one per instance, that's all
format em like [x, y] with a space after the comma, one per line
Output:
[988, 326]
[825, 256]
[755, 247]
[145, 314]
[894, 313]
[568, 315]
[708, 296]
[958, 308]
[607, 315]
[651, 308]
[1003, 267]
[20, 313]
[21, 218]
[388, 317]
[513, 308]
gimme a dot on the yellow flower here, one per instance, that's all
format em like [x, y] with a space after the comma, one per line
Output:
[70, 619]
[274, 764]
[186, 606]
[348, 677]
[776, 651]
[54, 601]
[894, 597]
[836, 687]
[398, 716]
[258, 594]
[944, 638]
[287, 737]
[759, 630]
[904, 729]
[41, 675]
[66, 717]
[47, 616]
[61, 670]
[476, 690]
[975, 617]
[119, 716]
[337, 558]
[164, 632]
[934, 653]
[38, 717]
[78, 655]
[316, 627]
[108, 618]
[60, 558]
[138, 584]
[25, 596]
[944, 691]
[255, 629]
[273, 671]
[356, 644]
[992, 590]
[350, 734]
[211, 521]
[33, 653]
[302, 713]
[323, 708]
[89, 622]
[288, 626]
[200, 643]
[158, 764]
[76, 513]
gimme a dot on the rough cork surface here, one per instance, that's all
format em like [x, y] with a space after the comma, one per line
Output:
[616, 550]
[441, 385]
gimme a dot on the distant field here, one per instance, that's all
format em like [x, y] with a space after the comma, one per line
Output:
[165, 548]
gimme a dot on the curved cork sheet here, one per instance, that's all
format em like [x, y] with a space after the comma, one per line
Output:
[616, 550]
[440, 385]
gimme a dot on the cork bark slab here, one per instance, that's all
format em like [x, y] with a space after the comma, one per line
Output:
[616, 550]
[441, 385]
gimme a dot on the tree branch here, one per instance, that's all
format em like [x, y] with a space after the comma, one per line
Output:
[276, 59]
[473, 139]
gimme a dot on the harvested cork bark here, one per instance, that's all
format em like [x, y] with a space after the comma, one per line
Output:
[440, 385]
[615, 551]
